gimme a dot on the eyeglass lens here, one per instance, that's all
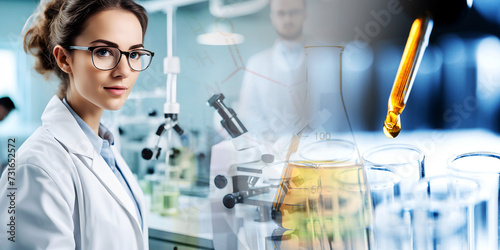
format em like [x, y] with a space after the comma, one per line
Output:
[106, 58]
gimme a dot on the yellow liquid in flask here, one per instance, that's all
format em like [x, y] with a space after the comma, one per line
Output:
[323, 199]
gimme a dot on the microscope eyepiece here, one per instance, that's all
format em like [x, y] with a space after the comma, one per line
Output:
[230, 121]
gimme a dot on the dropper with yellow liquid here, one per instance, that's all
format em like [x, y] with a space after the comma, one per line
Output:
[408, 67]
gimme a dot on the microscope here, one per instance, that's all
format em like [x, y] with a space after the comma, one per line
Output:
[241, 172]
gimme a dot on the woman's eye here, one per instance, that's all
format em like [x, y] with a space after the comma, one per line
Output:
[104, 52]
[134, 55]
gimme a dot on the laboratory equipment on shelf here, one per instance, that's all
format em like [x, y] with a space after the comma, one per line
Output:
[427, 12]
[154, 153]
[164, 193]
[171, 67]
[312, 195]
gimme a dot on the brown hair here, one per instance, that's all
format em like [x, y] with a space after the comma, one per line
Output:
[59, 22]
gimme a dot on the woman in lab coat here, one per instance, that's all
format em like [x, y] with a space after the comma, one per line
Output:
[72, 189]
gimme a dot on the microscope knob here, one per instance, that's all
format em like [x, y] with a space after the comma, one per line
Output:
[147, 154]
[229, 200]
[267, 158]
[220, 181]
[178, 129]
[277, 216]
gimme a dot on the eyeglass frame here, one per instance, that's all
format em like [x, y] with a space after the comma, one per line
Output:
[126, 53]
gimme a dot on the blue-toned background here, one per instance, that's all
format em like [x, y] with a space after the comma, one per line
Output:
[458, 84]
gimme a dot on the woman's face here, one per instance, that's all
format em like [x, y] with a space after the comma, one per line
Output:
[104, 89]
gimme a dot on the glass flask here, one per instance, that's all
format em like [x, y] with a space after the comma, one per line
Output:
[323, 200]
[165, 194]
[165, 199]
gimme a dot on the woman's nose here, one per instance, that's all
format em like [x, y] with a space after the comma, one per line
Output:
[122, 69]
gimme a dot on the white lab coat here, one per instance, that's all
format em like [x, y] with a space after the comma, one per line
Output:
[67, 197]
[273, 92]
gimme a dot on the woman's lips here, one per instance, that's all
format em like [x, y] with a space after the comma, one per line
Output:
[116, 90]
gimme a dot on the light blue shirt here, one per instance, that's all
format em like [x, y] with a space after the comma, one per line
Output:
[102, 144]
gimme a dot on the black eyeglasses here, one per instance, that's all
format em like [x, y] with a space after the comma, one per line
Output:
[107, 57]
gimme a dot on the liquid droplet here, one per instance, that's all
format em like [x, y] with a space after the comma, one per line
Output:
[392, 132]
[392, 125]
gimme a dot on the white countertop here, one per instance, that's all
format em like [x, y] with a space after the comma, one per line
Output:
[193, 219]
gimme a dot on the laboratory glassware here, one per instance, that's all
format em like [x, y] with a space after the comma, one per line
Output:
[412, 55]
[440, 215]
[165, 193]
[385, 186]
[323, 200]
[484, 167]
[445, 213]
[392, 225]
[404, 161]
[426, 11]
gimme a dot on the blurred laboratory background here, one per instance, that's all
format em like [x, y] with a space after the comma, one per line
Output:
[457, 86]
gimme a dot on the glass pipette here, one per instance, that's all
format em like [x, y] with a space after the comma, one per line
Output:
[413, 53]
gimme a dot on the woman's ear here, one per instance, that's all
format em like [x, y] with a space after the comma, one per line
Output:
[63, 58]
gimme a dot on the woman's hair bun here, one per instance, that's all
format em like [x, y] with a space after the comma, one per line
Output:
[51, 13]
[60, 22]
[37, 39]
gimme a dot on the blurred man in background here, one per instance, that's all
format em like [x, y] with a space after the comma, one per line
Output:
[272, 95]
[6, 105]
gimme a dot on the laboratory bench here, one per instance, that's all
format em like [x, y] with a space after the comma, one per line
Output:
[191, 228]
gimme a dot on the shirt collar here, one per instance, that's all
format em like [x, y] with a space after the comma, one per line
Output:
[95, 139]
[291, 51]
[295, 46]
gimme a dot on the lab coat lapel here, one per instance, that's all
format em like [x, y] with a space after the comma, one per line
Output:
[108, 179]
[57, 119]
[60, 122]
[136, 189]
